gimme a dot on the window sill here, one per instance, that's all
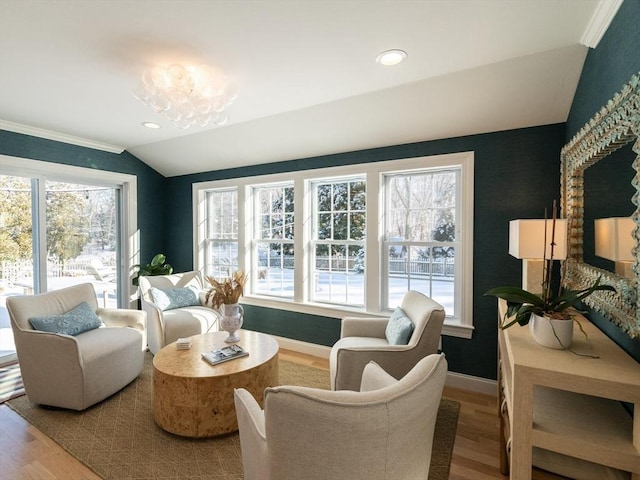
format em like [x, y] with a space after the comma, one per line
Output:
[449, 329]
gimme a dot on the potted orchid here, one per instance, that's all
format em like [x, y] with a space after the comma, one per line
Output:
[548, 314]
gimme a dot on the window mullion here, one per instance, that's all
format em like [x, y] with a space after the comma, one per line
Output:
[39, 225]
[243, 207]
[301, 235]
[373, 235]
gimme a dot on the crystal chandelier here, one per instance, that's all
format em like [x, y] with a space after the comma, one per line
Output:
[186, 95]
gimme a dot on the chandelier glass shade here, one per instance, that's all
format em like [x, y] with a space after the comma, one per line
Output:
[186, 95]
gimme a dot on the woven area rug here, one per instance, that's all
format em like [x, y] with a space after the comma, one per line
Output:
[10, 380]
[119, 440]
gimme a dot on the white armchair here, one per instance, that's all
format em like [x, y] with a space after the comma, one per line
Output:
[75, 370]
[167, 325]
[364, 339]
[383, 431]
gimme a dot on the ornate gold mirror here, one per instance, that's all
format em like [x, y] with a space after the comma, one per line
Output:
[614, 126]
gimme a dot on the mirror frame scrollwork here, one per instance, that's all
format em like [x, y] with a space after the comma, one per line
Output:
[615, 125]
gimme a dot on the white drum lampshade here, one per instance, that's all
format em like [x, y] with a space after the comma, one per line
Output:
[527, 242]
[614, 241]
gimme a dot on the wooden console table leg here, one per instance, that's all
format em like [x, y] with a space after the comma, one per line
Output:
[636, 435]
[504, 424]
[521, 428]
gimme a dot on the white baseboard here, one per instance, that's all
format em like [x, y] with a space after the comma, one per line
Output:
[471, 383]
[320, 351]
[455, 380]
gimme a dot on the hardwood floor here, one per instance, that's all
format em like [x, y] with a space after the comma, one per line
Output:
[27, 454]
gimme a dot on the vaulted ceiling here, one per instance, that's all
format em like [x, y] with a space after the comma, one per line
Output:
[308, 83]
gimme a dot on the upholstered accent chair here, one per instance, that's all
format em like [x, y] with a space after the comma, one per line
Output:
[184, 318]
[383, 431]
[367, 339]
[79, 354]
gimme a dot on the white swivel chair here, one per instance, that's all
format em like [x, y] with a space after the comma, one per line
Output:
[383, 431]
[167, 325]
[365, 339]
[74, 360]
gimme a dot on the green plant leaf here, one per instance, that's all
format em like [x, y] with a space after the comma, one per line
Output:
[516, 295]
[571, 297]
[159, 259]
[521, 304]
[157, 266]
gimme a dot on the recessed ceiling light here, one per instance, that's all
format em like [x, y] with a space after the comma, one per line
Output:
[391, 57]
[150, 125]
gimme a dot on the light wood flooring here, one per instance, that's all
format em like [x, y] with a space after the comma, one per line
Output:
[27, 454]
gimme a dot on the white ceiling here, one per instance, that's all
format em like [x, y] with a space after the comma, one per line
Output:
[306, 72]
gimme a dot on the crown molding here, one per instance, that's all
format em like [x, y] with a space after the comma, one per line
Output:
[58, 137]
[600, 21]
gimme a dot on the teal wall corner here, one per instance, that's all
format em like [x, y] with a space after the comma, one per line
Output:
[151, 184]
[606, 69]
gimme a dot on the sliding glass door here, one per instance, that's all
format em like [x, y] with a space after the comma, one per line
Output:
[81, 238]
[16, 249]
[77, 226]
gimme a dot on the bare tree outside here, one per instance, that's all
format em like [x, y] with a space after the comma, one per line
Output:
[421, 234]
[67, 222]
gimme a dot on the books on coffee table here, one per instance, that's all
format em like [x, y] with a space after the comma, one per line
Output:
[224, 354]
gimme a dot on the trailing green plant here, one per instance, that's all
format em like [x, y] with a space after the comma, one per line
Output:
[157, 266]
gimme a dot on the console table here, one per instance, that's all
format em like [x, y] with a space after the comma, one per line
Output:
[567, 404]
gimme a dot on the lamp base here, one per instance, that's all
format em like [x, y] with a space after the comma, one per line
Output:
[624, 269]
[532, 276]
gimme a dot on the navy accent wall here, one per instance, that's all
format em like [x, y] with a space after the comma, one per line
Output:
[151, 184]
[517, 175]
[607, 68]
[308, 328]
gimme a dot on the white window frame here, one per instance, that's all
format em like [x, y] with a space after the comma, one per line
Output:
[314, 241]
[385, 180]
[256, 232]
[129, 234]
[207, 238]
[461, 326]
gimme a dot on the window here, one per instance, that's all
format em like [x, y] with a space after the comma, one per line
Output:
[346, 240]
[420, 235]
[67, 225]
[274, 245]
[221, 242]
[339, 230]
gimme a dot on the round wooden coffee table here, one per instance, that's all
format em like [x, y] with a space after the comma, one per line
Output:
[195, 399]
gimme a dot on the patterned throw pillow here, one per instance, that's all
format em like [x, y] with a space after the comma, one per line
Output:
[80, 319]
[171, 298]
[399, 328]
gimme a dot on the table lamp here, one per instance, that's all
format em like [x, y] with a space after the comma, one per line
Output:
[614, 241]
[527, 242]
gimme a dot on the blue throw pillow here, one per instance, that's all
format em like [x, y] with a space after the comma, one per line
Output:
[399, 328]
[171, 298]
[80, 319]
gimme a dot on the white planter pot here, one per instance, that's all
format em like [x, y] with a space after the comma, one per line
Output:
[231, 321]
[551, 333]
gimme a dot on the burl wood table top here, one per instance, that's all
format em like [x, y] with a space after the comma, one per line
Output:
[189, 363]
